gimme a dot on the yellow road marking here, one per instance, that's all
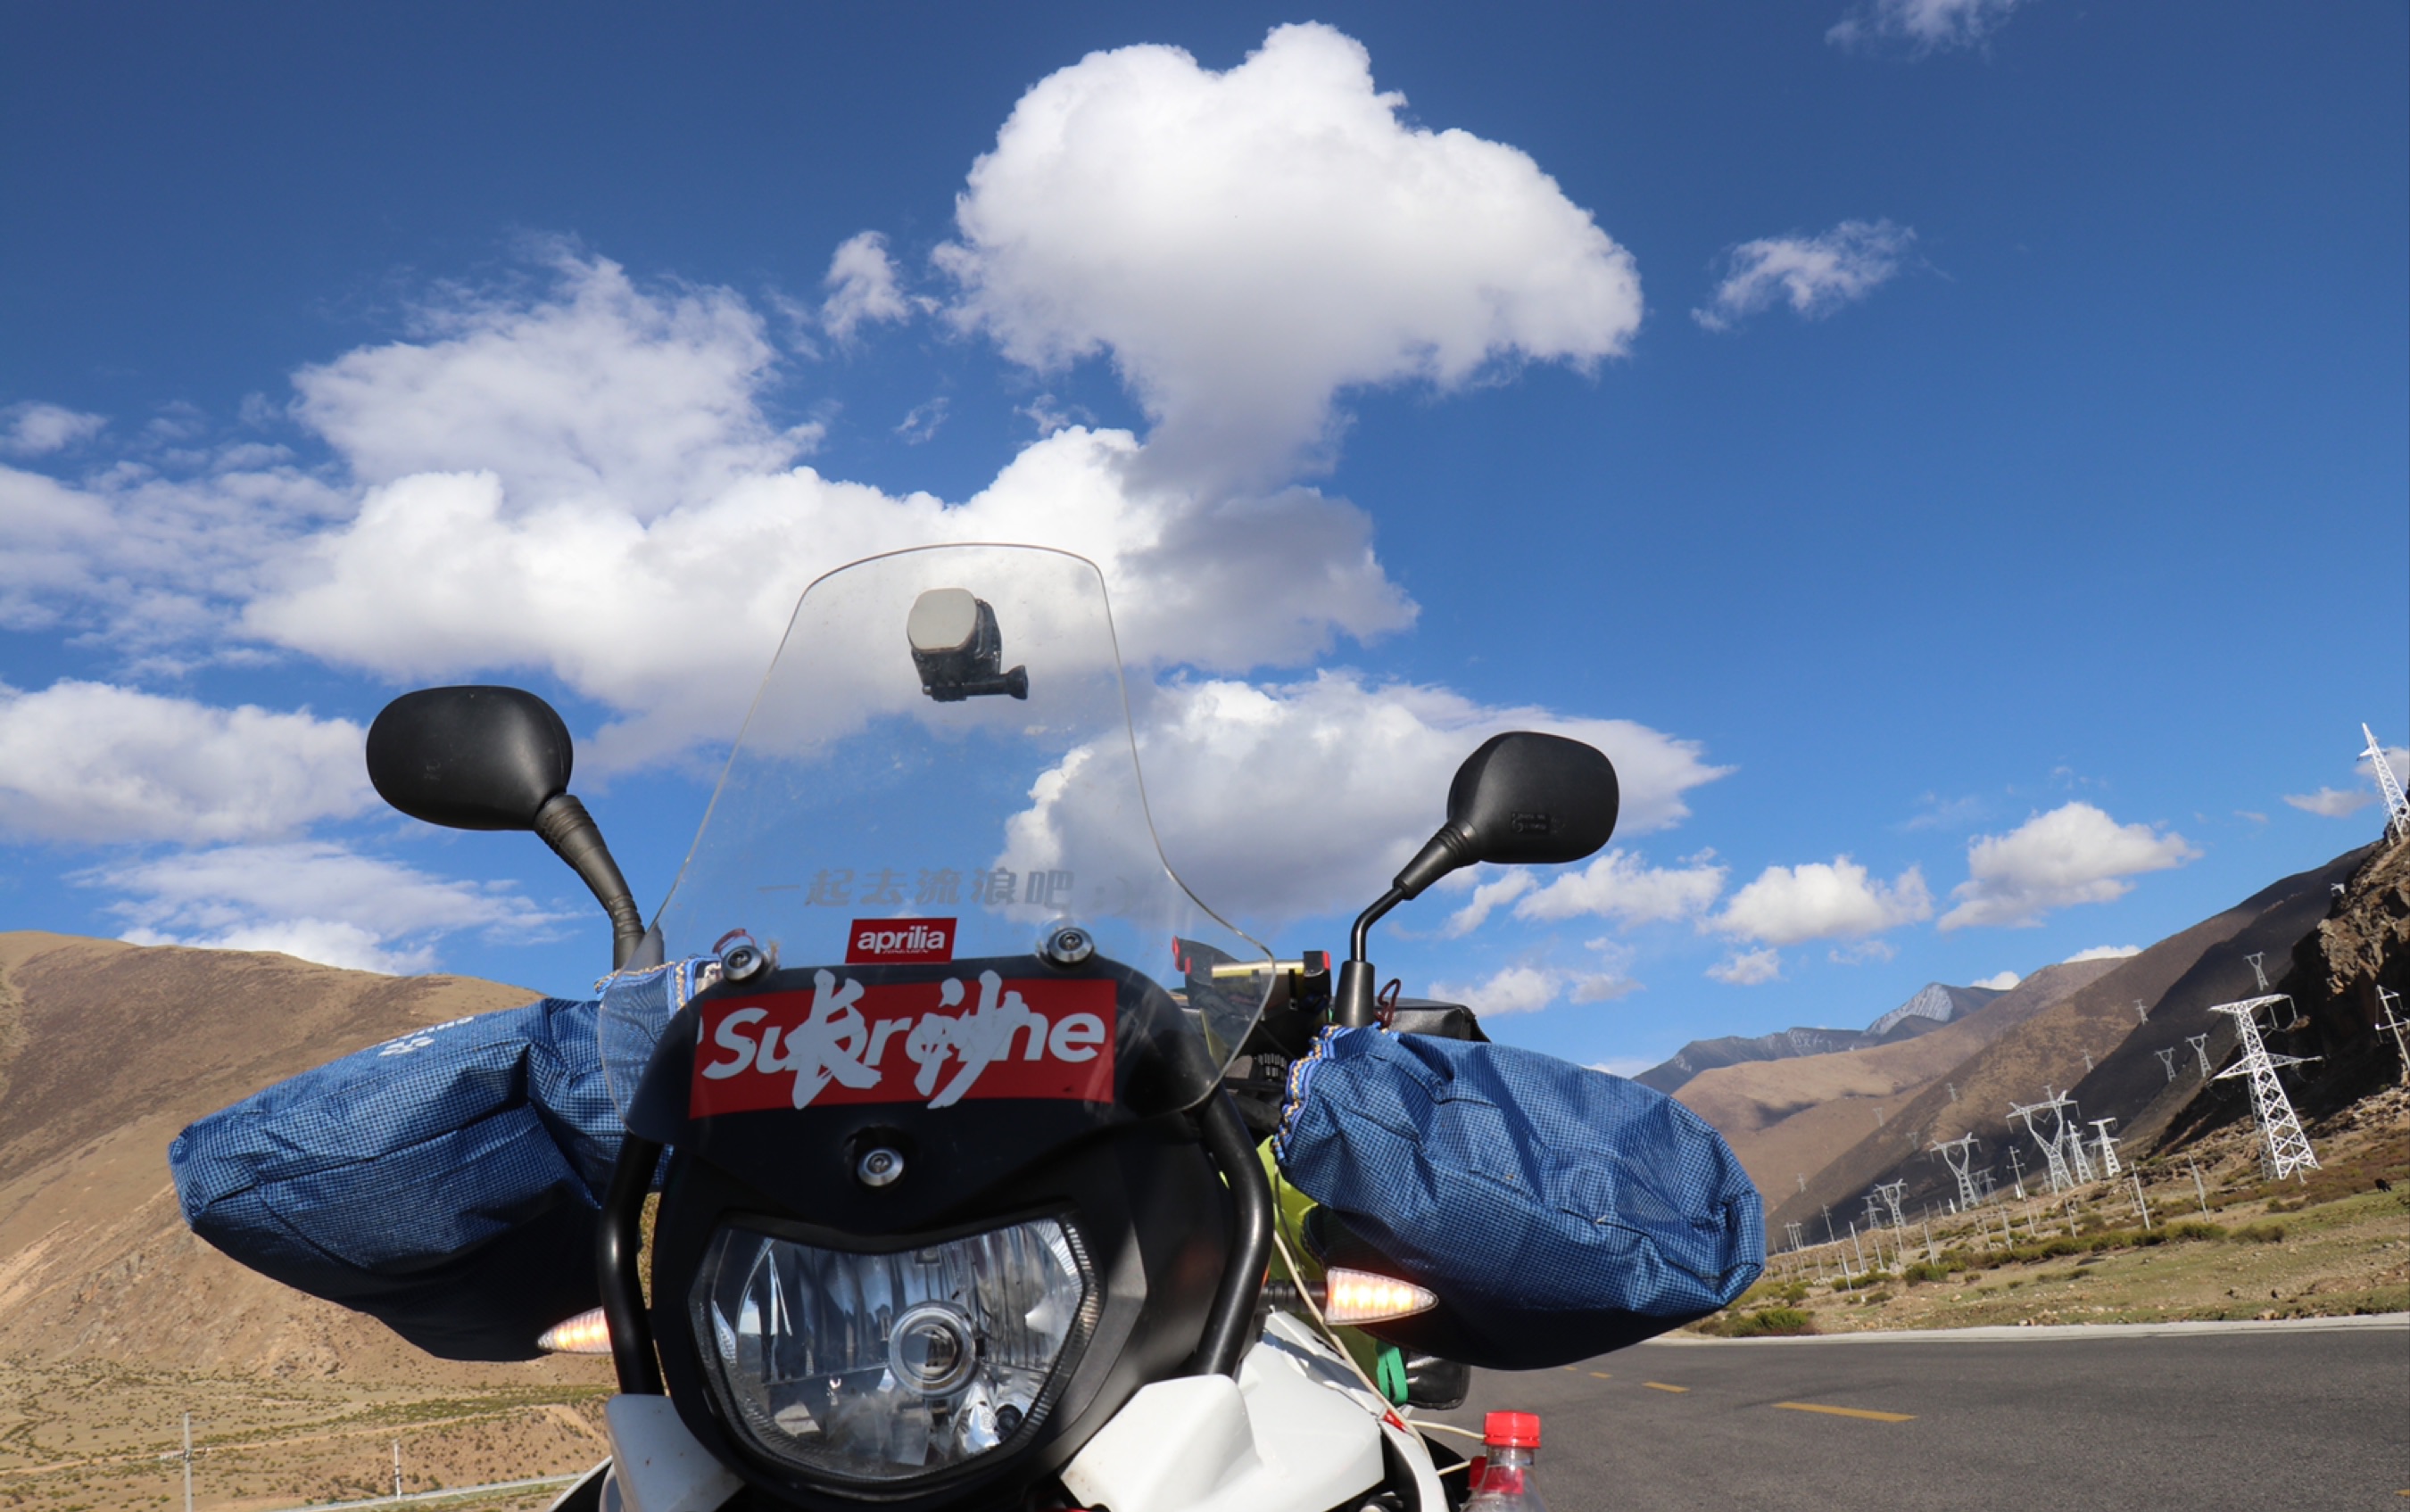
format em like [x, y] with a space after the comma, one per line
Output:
[1849, 1412]
[1602, 1376]
[1661, 1386]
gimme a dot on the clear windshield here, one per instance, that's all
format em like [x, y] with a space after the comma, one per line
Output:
[939, 766]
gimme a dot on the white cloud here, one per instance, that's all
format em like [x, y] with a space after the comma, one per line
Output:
[315, 900]
[2104, 953]
[1924, 25]
[91, 763]
[1748, 968]
[1786, 904]
[1524, 989]
[1621, 885]
[2332, 802]
[861, 287]
[597, 395]
[1247, 244]
[1859, 952]
[1487, 896]
[1815, 275]
[921, 424]
[2074, 854]
[2000, 981]
[1351, 776]
[34, 429]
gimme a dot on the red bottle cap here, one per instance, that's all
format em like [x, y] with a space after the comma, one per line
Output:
[1512, 1430]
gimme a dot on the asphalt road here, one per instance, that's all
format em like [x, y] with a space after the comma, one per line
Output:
[2266, 1419]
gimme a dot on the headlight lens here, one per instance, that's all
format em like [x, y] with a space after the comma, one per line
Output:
[891, 1367]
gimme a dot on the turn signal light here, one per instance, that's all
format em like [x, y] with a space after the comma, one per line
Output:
[1348, 1297]
[588, 1334]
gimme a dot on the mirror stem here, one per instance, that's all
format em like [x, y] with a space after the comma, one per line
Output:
[1352, 1003]
[575, 837]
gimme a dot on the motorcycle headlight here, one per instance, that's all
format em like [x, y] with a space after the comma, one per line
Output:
[889, 1367]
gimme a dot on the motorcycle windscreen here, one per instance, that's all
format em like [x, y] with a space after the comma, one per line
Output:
[934, 827]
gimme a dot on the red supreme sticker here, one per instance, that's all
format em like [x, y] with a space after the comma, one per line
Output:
[937, 1043]
[882, 941]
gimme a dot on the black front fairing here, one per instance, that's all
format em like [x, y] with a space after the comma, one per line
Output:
[808, 1159]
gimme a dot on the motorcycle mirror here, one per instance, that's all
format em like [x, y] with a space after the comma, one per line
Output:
[1522, 798]
[498, 758]
[469, 757]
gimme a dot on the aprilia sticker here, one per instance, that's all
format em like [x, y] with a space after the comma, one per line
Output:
[878, 941]
[916, 1041]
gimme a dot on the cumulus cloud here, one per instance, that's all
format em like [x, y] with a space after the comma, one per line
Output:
[1998, 981]
[91, 763]
[2074, 854]
[1247, 244]
[1787, 904]
[1922, 25]
[1748, 968]
[2105, 953]
[1622, 887]
[1814, 275]
[1487, 896]
[1524, 989]
[1339, 779]
[34, 429]
[2332, 802]
[312, 899]
[863, 288]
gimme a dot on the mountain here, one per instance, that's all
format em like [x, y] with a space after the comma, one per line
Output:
[1933, 1005]
[105, 1051]
[2096, 1044]
[1789, 1118]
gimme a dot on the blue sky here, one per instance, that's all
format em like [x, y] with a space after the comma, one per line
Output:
[1952, 453]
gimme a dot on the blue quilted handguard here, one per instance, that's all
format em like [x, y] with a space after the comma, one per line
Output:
[1557, 1212]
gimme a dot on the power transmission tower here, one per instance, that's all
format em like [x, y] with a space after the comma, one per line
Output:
[2390, 1001]
[1953, 1090]
[1891, 1195]
[2017, 1167]
[2200, 1044]
[2397, 806]
[2054, 1147]
[2141, 1015]
[186, 1455]
[1792, 1230]
[2087, 1063]
[2168, 1058]
[1958, 1154]
[2257, 974]
[2287, 1148]
[2107, 1148]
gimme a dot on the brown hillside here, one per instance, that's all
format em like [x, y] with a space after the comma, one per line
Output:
[105, 1051]
[2177, 979]
[1789, 1118]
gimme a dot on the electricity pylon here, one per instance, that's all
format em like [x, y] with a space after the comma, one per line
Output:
[1958, 1155]
[2054, 1148]
[2397, 806]
[2168, 1058]
[2107, 1147]
[2391, 1002]
[1891, 1195]
[2288, 1149]
[2200, 1044]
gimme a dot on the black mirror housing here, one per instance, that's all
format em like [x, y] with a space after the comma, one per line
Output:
[1522, 798]
[469, 757]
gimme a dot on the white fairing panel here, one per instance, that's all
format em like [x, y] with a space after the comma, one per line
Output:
[656, 1465]
[1295, 1433]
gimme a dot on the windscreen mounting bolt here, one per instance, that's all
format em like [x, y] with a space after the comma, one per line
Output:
[1067, 945]
[743, 963]
[879, 1167]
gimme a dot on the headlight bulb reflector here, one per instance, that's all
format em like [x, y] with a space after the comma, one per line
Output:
[890, 1367]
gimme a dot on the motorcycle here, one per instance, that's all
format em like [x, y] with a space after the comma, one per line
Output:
[954, 1126]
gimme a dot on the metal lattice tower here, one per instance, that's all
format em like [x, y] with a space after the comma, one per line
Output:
[2391, 1001]
[2141, 1015]
[2078, 1157]
[2288, 1149]
[2054, 1147]
[2257, 974]
[2017, 1170]
[2397, 806]
[1792, 1230]
[1891, 1195]
[2107, 1147]
[2200, 1044]
[1959, 1154]
[2168, 1058]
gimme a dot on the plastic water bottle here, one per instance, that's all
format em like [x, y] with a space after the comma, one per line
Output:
[1512, 1442]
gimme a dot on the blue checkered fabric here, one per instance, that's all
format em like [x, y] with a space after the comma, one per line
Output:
[1556, 1211]
[445, 1182]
